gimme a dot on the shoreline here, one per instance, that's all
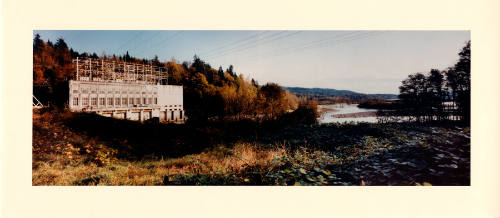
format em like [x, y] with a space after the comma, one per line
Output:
[356, 115]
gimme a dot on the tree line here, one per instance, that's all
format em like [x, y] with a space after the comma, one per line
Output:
[209, 93]
[436, 95]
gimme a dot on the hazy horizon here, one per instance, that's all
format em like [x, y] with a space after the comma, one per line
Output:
[372, 62]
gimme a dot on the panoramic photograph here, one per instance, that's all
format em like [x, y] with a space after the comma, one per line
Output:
[251, 108]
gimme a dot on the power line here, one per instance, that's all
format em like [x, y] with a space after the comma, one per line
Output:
[343, 40]
[316, 42]
[166, 40]
[322, 42]
[258, 43]
[233, 43]
[247, 43]
[141, 42]
[129, 41]
[151, 45]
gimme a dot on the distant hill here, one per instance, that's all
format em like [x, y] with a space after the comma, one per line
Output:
[334, 95]
[320, 91]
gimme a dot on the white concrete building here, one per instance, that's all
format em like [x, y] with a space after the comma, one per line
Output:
[126, 91]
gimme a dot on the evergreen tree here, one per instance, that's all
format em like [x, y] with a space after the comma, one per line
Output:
[230, 71]
[127, 57]
[458, 80]
[220, 72]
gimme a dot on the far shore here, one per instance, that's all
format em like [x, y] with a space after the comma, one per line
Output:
[324, 110]
[356, 115]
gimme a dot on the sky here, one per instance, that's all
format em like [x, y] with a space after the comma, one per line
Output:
[363, 61]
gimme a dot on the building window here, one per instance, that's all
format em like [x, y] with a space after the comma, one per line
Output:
[150, 101]
[180, 114]
[144, 101]
[75, 91]
[110, 101]
[137, 101]
[102, 101]
[93, 101]
[156, 100]
[125, 101]
[117, 101]
[75, 101]
[85, 101]
[131, 100]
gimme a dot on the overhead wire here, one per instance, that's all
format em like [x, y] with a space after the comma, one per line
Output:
[335, 37]
[129, 41]
[327, 43]
[157, 46]
[258, 43]
[252, 42]
[233, 43]
[138, 45]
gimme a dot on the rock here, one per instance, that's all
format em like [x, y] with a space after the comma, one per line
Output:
[326, 172]
[310, 179]
[302, 171]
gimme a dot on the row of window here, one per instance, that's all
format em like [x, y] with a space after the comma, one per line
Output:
[114, 101]
[85, 91]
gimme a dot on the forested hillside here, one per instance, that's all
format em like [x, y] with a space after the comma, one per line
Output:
[209, 93]
[331, 96]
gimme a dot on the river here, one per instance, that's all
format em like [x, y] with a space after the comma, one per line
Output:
[339, 113]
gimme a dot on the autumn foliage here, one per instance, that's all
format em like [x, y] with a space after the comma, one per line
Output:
[52, 68]
[209, 93]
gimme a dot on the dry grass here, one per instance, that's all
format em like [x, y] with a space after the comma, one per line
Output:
[346, 155]
[220, 160]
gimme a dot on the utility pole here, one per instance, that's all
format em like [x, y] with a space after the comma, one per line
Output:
[90, 68]
[76, 68]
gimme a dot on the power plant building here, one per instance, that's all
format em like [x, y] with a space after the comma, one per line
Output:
[125, 90]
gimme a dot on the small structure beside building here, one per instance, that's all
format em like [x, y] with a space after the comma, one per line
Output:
[125, 90]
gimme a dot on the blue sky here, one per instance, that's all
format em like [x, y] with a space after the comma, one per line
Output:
[362, 61]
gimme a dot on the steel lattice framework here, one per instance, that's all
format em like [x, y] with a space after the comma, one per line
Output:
[104, 70]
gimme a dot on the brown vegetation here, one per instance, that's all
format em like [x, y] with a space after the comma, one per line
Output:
[394, 154]
[219, 161]
[355, 115]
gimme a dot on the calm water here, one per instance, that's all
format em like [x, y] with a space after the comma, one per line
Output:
[344, 109]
